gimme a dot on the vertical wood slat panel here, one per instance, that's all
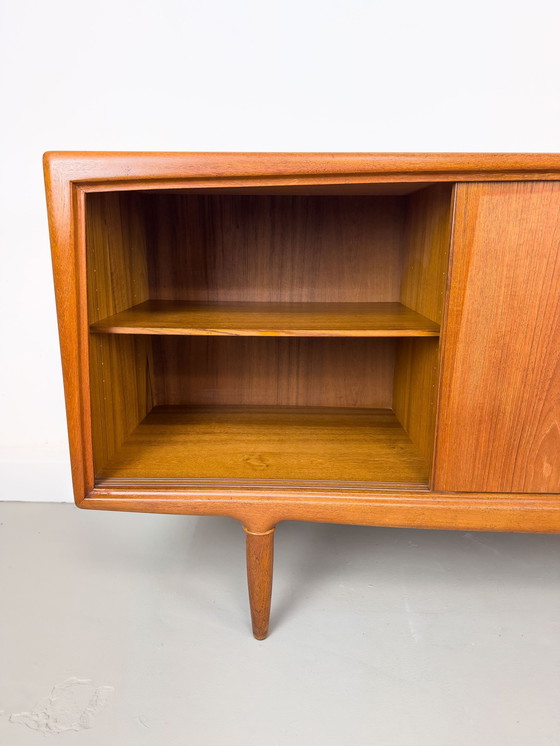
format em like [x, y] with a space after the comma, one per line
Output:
[499, 414]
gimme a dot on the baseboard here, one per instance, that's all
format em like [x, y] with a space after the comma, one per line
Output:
[35, 474]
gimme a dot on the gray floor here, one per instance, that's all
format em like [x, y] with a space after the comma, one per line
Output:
[379, 636]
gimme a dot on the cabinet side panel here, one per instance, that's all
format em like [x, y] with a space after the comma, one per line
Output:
[426, 250]
[424, 282]
[415, 393]
[499, 414]
[117, 278]
[121, 390]
[116, 258]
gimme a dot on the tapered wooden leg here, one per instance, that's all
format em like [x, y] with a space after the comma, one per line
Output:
[260, 559]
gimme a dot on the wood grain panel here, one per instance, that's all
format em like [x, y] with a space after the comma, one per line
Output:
[117, 277]
[426, 252]
[116, 253]
[121, 391]
[269, 319]
[269, 443]
[415, 392]
[265, 506]
[281, 249]
[69, 176]
[137, 170]
[499, 417]
[424, 282]
[268, 371]
[260, 561]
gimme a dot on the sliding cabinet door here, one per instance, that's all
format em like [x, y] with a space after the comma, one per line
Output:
[499, 412]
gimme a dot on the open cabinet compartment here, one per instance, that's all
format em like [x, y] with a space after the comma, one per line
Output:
[286, 335]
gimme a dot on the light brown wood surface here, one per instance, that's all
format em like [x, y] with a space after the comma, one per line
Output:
[268, 504]
[275, 249]
[119, 369]
[415, 392]
[117, 261]
[121, 391]
[269, 319]
[339, 188]
[424, 283]
[499, 416]
[274, 371]
[426, 256]
[172, 170]
[292, 443]
[260, 558]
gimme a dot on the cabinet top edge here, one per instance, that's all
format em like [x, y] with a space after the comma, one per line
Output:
[90, 166]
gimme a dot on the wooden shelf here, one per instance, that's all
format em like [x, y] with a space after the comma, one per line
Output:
[269, 443]
[269, 319]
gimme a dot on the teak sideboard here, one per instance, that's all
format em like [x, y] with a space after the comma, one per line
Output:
[348, 338]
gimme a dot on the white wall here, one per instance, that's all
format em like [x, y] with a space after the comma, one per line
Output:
[218, 75]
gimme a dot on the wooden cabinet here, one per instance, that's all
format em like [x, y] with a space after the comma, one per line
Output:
[369, 339]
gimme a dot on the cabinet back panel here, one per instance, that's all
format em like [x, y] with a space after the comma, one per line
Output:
[274, 371]
[275, 248]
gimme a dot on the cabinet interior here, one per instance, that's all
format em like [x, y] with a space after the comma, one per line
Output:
[277, 334]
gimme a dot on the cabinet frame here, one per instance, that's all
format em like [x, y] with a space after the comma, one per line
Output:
[71, 176]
